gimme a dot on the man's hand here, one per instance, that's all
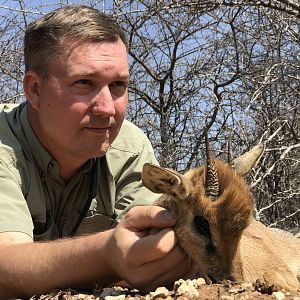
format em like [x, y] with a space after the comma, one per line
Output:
[132, 252]
[147, 258]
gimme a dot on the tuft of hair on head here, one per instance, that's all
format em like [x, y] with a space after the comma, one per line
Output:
[43, 37]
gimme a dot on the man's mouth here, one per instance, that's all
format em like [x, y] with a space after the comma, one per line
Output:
[99, 130]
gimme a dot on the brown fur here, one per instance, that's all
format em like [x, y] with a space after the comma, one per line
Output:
[235, 246]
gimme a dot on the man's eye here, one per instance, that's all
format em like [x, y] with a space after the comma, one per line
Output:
[83, 82]
[119, 84]
[118, 88]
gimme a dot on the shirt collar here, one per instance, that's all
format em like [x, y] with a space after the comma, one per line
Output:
[40, 155]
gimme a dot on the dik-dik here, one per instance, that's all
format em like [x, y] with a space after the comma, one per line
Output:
[215, 224]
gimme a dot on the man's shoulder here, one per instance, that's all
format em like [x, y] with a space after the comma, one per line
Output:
[130, 139]
[12, 153]
[9, 144]
[12, 158]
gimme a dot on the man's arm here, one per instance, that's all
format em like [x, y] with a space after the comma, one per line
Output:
[127, 252]
[8, 238]
[28, 268]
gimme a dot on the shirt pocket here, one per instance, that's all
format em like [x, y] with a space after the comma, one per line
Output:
[45, 231]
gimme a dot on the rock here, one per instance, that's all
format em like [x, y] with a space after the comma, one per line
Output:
[119, 297]
[278, 295]
[160, 292]
[114, 291]
[199, 281]
[186, 288]
[239, 288]
[247, 286]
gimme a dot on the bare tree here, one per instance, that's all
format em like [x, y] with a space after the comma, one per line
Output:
[205, 65]
[224, 68]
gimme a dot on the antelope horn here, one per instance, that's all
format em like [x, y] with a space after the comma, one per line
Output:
[211, 176]
[244, 164]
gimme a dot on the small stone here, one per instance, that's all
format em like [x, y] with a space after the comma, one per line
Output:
[185, 288]
[81, 296]
[278, 295]
[115, 291]
[160, 292]
[119, 297]
[247, 286]
[200, 281]
[235, 290]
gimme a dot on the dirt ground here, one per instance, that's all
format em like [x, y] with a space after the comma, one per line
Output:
[183, 290]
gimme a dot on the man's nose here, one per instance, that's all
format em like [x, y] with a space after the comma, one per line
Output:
[103, 103]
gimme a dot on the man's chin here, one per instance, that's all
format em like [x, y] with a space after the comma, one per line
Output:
[100, 153]
[94, 152]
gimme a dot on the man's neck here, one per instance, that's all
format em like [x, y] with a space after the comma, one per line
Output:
[67, 173]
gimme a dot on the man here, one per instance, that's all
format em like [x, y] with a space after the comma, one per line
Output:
[69, 166]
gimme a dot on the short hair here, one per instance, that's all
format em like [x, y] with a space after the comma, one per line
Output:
[43, 37]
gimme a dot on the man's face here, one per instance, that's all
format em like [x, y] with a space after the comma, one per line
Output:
[81, 106]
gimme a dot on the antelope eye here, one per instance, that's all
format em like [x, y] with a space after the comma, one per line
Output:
[202, 226]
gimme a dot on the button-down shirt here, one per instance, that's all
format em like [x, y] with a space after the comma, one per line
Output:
[35, 200]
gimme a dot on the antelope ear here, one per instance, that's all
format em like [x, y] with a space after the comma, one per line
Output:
[165, 181]
[246, 162]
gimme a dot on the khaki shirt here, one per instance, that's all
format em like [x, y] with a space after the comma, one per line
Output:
[35, 200]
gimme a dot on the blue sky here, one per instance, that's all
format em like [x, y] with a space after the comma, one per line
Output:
[46, 6]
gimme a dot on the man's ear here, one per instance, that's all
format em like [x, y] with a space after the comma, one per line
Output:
[31, 85]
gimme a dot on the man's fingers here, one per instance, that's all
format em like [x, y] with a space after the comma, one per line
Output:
[143, 217]
[148, 249]
[187, 269]
[169, 276]
[148, 273]
[160, 243]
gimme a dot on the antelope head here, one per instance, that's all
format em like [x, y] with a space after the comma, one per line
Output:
[213, 205]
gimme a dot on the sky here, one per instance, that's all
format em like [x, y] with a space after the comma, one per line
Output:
[47, 5]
